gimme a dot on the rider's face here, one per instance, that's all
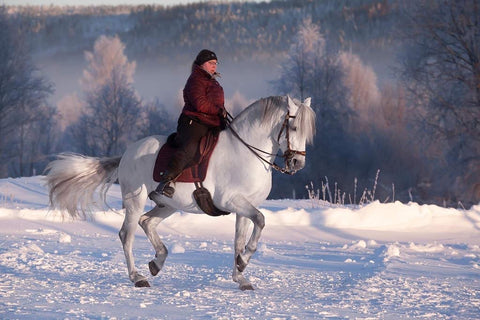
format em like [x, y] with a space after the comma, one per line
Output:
[210, 66]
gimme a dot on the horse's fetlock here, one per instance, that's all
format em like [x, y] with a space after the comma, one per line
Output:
[251, 249]
[241, 263]
[162, 255]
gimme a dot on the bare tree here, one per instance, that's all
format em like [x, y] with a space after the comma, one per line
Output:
[112, 107]
[23, 94]
[442, 72]
[36, 139]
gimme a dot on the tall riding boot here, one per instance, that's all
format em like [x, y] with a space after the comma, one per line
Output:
[163, 188]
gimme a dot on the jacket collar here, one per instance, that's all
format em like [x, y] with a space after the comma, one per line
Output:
[199, 70]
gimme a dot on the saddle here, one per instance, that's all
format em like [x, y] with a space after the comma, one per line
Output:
[195, 173]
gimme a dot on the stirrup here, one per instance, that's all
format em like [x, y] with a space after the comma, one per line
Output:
[168, 190]
[165, 189]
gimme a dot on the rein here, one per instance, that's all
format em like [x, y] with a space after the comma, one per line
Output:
[287, 155]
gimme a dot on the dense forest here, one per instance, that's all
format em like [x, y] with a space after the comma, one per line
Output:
[394, 85]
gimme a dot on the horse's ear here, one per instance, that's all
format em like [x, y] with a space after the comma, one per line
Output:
[307, 101]
[290, 102]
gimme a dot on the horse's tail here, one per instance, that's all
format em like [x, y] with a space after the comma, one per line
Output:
[72, 180]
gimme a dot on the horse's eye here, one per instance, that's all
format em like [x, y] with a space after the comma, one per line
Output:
[293, 129]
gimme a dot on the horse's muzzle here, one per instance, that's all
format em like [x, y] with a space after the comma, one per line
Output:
[294, 161]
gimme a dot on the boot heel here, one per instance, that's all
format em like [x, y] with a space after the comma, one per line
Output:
[168, 191]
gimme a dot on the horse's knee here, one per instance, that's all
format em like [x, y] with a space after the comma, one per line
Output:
[259, 220]
[143, 221]
[122, 235]
[125, 234]
[147, 222]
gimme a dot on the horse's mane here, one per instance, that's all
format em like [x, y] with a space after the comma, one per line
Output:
[272, 107]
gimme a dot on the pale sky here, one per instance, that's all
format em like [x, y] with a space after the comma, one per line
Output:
[99, 2]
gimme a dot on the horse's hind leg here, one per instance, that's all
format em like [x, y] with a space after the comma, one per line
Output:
[133, 209]
[149, 221]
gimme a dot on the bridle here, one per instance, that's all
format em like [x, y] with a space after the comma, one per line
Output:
[287, 154]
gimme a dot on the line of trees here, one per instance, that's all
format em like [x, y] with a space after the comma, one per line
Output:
[107, 117]
[423, 132]
[238, 29]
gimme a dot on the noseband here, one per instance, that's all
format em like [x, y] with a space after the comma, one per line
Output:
[287, 155]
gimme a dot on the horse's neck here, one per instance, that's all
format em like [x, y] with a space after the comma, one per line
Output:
[251, 129]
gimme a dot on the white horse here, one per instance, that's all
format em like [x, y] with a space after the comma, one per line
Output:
[239, 178]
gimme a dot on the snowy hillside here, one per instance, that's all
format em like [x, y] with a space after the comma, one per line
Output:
[316, 261]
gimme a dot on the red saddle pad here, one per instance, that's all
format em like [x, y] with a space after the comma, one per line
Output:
[194, 173]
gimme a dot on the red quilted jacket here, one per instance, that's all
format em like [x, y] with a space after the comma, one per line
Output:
[204, 98]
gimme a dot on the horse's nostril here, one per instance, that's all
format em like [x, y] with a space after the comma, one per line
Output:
[294, 162]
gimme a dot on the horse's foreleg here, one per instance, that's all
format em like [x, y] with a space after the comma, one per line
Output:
[241, 227]
[243, 254]
[149, 221]
[258, 224]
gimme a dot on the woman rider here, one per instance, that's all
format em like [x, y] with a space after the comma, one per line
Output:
[203, 111]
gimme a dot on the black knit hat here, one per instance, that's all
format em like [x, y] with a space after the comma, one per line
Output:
[204, 56]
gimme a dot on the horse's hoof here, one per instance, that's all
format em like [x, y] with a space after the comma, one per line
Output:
[142, 284]
[241, 265]
[246, 286]
[154, 270]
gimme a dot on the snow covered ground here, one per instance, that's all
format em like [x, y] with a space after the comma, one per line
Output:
[315, 261]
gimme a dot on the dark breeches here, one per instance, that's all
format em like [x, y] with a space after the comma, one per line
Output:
[189, 133]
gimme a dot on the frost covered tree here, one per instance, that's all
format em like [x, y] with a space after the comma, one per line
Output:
[112, 106]
[23, 95]
[363, 93]
[298, 69]
[311, 69]
[107, 63]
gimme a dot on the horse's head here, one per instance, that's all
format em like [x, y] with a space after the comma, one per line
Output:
[289, 123]
[298, 129]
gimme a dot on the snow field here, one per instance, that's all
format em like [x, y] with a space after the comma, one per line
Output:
[311, 263]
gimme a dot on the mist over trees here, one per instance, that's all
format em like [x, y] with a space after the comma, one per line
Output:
[395, 85]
